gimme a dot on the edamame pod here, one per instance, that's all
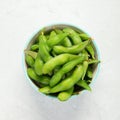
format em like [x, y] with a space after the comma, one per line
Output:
[56, 39]
[70, 81]
[93, 61]
[31, 53]
[58, 31]
[42, 79]
[56, 61]
[86, 54]
[34, 47]
[66, 42]
[65, 95]
[73, 35]
[90, 49]
[65, 69]
[29, 60]
[73, 49]
[32, 74]
[85, 67]
[38, 66]
[52, 34]
[82, 83]
[42, 49]
[45, 89]
[89, 73]
[84, 36]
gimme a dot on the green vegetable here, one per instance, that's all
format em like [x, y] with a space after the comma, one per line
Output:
[45, 89]
[86, 54]
[85, 67]
[66, 42]
[65, 69]
[82, 83]
[29, 60]
[93, 61]
[84, 36]
[56, 61]
[91, 50]
[58, 31]
[45, 55]
[52, 34]
[31, 53]
[65, 95]
[61, 62]
[73, 49]
[34, 47]
[42, 79]
[89, 73]
[56, 39]
[70, 81]
[38, 66]
[73, 35]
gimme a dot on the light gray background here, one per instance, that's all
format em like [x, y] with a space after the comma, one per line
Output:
[19, 19]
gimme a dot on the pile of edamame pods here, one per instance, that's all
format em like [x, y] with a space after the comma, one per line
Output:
[60, 62]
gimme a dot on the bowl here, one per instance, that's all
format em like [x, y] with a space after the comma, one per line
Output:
[47, 29]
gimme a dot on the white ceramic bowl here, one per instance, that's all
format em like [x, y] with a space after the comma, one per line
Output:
[49, 28]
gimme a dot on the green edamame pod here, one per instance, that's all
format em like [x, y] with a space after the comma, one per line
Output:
[84, 36]
[70, 81]
[45, 38]
[58, 31]
[65, 69]
[34, 47]
[66, 42]
[42, 49]
[32, 74]
[38, 66]
[65, 95]
[56, 39]
[93, 61]
[45, 89]
[85, 67]
[42, 79]
[31, 53]
[29, 60]
[90, 49]
[86, 54]
[73, 49]
[56, 61]
[73, 35]
[82, 83]
[52, 34]
[89, 73]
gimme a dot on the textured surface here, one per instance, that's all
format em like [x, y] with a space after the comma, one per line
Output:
[19, 19]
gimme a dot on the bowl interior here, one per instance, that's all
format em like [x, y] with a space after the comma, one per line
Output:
[47, 30]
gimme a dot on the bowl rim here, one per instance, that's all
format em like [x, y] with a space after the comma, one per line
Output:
[97, 70]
